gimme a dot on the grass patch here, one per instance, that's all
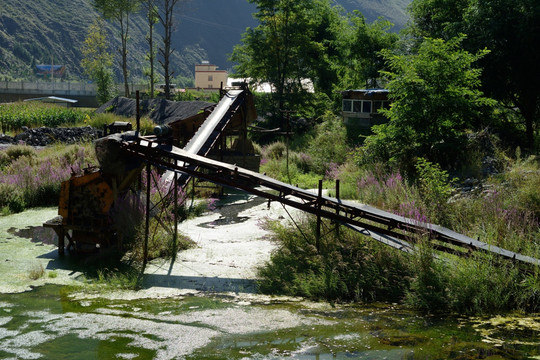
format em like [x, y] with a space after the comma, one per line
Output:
[36, 272]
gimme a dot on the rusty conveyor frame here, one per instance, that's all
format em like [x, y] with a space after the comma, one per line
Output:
[385, 227]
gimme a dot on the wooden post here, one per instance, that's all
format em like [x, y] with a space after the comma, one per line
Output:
[318, 233]
[138, 112]
[175, 216]
[147, 228]
[61, 240]
[337, 208]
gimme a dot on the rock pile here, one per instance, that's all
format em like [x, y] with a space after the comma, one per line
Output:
[44, 136]
[161, 111]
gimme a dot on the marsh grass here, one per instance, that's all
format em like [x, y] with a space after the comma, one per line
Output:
[36, 271]
[114, 279]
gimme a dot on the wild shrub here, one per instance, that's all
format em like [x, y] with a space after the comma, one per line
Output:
[275, 150]
[302, 161]
[329, 145]
[36, 271]
[435, 188]
[11, 198]
[4, 159]
[16, 151]
[36, 179]
[345, 268]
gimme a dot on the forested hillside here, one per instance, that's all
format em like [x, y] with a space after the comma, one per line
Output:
[52, 31]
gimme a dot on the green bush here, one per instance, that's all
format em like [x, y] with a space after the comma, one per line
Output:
[435, 189]
[11, 198]
[16, 151]
[347, 267]
[275, 150]
[329, 145]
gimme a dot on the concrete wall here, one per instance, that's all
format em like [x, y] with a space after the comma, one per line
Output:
[85, 93]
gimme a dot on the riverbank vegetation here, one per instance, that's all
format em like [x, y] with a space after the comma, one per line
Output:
[31, 177]
[502, 211]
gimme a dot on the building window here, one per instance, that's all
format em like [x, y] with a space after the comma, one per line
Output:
[357, 106]
[366, 107]
[347, 105]
[210, 77]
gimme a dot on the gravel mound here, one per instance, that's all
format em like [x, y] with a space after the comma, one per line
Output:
[44, 136]
[161, 111]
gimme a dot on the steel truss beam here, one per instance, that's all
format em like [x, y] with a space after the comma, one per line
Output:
[388, 228]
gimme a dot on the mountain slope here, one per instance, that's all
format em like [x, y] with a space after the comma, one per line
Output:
[53, 31]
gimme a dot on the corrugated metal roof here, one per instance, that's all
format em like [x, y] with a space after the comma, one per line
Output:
[53, 99]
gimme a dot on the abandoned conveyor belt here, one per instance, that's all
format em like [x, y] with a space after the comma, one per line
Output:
[208, 134]
[385, 227]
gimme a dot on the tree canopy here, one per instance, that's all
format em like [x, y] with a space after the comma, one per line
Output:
[120, 11]
[435, 100]
[314, 40]
[510, 30]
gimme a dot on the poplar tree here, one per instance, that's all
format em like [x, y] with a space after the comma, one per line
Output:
[120, 11]
[166, 17]
[97, 61]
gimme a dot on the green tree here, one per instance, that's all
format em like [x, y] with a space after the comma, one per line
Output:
[166, 17]
[152, 19]
[97, 61]
[435, 100]
[440, 19]
[510, 30]
[362, 51]
[328, 23]
[274, 51]
[120, 11]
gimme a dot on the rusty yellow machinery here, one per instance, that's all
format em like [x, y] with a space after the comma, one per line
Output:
[87, 201]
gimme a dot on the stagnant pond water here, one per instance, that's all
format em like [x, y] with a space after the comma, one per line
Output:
[47, 323]
[59, 321]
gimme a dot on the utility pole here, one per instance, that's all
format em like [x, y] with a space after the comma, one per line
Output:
[287, 134]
